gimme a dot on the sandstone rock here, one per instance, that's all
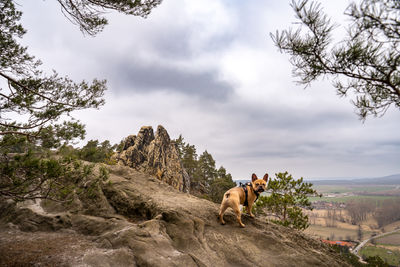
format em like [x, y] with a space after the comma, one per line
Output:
[152, 224]
[156, 155]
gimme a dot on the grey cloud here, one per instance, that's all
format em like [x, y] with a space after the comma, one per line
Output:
[172, 44]
[175, 43]
[284, 132]
[289, 120]
[281, 116]
[141, 77]
[395, 144]
[283, 151]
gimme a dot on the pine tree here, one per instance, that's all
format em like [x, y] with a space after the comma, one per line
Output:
[367, 58]
[180, 145]
[89, 14]
[206, 180]
[287, 200]
[206, 168]
[189, 160]
[220, 185]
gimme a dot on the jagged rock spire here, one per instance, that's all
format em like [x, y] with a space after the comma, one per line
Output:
[156, 155]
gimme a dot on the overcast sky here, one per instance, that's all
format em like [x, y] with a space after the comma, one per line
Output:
[207, 69]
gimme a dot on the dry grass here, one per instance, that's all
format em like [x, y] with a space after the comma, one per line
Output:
[335, 233]
[340, 228]
[394, 248]
[392, 226]
[342, 220]
[389, 256]
[392, 239]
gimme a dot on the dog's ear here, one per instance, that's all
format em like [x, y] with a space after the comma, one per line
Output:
[253, 177]
[266, 177]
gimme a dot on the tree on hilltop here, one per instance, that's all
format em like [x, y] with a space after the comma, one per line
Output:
[221, 184]
[287, 200]
[366, 62]
[206, 181]
[206, 170]
[189, 159]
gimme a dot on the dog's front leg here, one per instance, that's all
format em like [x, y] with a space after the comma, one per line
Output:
[249, 211]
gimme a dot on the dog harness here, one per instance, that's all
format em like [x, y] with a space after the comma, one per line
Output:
[244, 187]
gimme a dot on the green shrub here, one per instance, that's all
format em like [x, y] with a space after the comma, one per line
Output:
[287, 199]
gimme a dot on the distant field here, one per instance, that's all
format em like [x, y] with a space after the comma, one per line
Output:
[331, 188]
[391, 240]
[351, 188]
[392, 226]
[349, 198]
[337, 233]
[390, 256]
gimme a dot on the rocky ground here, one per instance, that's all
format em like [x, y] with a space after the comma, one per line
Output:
[137, 220]
[18, 248]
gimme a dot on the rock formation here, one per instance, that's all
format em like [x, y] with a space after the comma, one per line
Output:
[156, 155]
[145, 222]
[137, 217]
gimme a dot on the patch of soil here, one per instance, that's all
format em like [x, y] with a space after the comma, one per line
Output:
[42, 248]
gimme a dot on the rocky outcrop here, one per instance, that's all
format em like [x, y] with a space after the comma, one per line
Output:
[146, 222]
[156, 155]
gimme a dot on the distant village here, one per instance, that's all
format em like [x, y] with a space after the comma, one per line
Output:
[325, 205]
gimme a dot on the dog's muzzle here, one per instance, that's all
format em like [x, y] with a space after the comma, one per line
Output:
[260, 190]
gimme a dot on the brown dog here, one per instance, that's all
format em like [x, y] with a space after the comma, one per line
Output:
[237, 196]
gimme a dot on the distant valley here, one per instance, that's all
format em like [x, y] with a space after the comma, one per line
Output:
[391, 179]
[357, 209]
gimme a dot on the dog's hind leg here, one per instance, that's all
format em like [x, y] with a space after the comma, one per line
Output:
[222, 210]
[236, 209]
